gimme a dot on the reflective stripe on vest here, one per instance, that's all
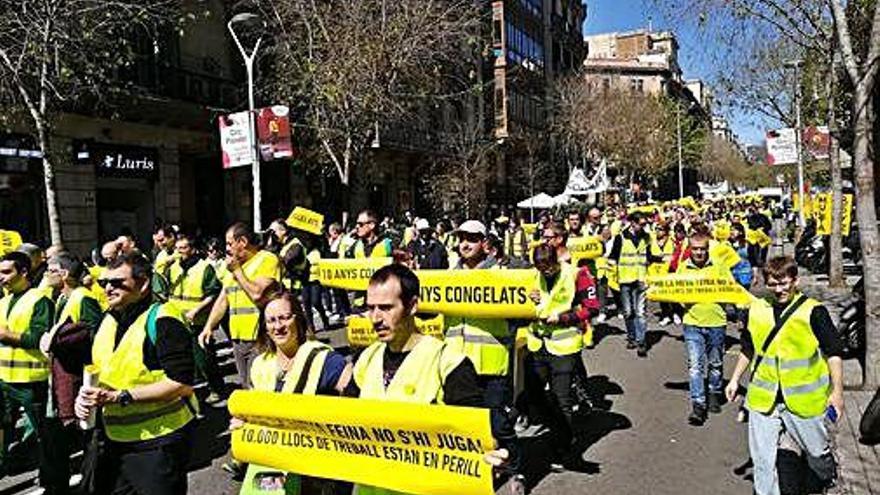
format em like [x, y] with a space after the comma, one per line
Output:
[265, 370]
[123, 368]
[632, 265]
[793, 363]
[187, 291]
[560, 341]
[19, 365]
[244, 315]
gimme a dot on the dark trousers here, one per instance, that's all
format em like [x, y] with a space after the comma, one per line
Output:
[543, 368]
[499, 399]
[31, 398]
[160, 470]
[211, 370]
[311, 295]
[61, 441]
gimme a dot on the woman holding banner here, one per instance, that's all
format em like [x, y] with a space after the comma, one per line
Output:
[290, 362]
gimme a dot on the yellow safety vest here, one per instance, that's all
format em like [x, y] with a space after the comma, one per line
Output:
[265, 371]
[419, 380]
[485, 341]
[560, 341]
[19, 365]
[186, 288]
[704, 314]
[292, 280]
[244, 315]
[516, 243]
[793, 363]
[380, 250]
[164, 260]
[121, 367]
[73, 306]
[314, 259]
[664, 251]
[632, 265]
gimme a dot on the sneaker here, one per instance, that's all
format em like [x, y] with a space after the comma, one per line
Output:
[698, 415]
[676, 319]
[715, 401]
[213, 398]
[235, 468]
[630, 344]
[643, 350]
[665, 321]
[601, 318]
[516, 485]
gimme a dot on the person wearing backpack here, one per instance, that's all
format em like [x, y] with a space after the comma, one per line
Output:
[143, 353]
[793, 351]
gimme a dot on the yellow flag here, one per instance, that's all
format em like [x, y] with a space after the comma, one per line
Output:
[529, 228]
[723, 254]
[584, 248]
[349, 274]
[9, 241]
[413, 448]
[758, 237]
[360, 331]
[721, 230]
[305, 219]
[694, 287]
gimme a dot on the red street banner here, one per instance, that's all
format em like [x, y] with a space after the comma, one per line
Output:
[273, 132]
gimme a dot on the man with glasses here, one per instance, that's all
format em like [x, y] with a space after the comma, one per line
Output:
[144, 356]
[797, 376]
[26, 313]
[369, 244]
[705, 326]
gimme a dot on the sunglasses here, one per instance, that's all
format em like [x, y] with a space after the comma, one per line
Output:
[116, 283]
[470, 237]
[361, 224]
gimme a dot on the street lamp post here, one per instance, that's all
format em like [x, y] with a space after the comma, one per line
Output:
[250, 18]
[796, 65]
[680, 162]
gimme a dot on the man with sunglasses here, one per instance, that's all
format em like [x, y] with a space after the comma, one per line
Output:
[369, 243]
[144, 355]
[26, 313]
[488, 343]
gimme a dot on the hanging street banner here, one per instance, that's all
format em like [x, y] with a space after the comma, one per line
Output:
[273, 133]
[412, 448]
[694, 287]
[235, 139]
[360, 332]
[822, 213]
[782, 147]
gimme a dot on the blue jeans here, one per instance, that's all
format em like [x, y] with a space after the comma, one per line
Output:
[632, 297]
[705, 346]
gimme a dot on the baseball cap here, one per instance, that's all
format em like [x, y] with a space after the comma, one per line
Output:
[472, 227]
[423, 224]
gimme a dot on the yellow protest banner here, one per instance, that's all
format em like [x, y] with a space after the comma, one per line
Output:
[808, 203]
[693, 287]
[305, 219]
[360, 333]
[9, 241]
[584, 248]
[723, 254]
[349, 274]
[822, 213]
[413, 448]
[477, 293]
[846, 214]
[658, 269]
[758, 237]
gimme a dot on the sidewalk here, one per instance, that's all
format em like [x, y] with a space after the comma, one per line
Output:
[859, 464]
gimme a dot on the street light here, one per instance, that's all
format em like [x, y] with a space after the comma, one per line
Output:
[796, 65]
[249, 20]
[680, 162]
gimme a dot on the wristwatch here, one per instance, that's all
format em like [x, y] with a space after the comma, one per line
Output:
[125, 398]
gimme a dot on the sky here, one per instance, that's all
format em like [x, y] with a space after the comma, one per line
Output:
[625, 15]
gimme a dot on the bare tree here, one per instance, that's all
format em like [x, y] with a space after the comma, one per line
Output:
[722, 160]
[54, 53]
[457, 181]
[531, 171]
[352, 68]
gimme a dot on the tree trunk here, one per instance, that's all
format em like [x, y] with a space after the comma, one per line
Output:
[866, 216]
[835, 245]
[49, 181]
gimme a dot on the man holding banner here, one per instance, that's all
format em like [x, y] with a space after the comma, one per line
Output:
[404, 365]
[704, 331]
[488, 343]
